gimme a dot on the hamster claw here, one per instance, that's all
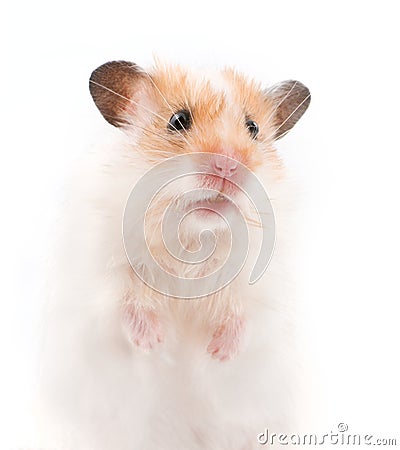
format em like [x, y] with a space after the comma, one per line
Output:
[143, 327]
[226, 340]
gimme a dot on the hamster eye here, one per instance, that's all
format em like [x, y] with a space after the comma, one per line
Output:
[252, 128]
[181, 120]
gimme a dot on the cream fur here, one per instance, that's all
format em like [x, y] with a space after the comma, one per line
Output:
[101, 393]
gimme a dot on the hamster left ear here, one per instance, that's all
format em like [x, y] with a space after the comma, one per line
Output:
[116, 88]
[290, 100]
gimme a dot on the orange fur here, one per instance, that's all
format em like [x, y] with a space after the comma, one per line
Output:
[174, 88]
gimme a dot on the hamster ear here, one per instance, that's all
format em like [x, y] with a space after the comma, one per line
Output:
[116, 88]
[290, 100]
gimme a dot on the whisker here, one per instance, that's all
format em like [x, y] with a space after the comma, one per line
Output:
[137, 104]
[287, 118]
[279, 104]
[147, 130]
[190, 111]
[164, 99]
[252, 221]
[164, 152]
[159, 203]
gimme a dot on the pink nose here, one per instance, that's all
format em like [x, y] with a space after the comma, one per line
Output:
[224, 166]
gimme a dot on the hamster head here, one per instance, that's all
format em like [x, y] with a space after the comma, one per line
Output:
[223, 121]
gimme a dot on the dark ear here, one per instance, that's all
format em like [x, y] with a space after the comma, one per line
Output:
[115, 87]
[290, 100]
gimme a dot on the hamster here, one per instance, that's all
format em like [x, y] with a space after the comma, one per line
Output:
[126, 364]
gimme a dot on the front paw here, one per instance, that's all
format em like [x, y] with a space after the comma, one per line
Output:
[143, 327]
[226, 339]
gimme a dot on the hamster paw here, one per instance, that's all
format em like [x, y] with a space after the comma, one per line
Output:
[143, 327]
[226, 340]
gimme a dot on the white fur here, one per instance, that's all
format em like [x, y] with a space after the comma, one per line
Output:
[101, 393]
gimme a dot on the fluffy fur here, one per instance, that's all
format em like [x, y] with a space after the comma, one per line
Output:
[215, 371]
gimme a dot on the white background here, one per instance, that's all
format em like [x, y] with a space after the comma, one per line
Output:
[345, 151]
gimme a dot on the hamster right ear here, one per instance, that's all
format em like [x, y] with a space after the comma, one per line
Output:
[117, 88]
[290, 100]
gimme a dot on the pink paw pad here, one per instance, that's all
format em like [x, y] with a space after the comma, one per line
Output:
[143, 326]
[226, 340]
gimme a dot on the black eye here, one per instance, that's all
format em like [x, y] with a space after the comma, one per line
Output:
[180, 121]
[252, 127]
